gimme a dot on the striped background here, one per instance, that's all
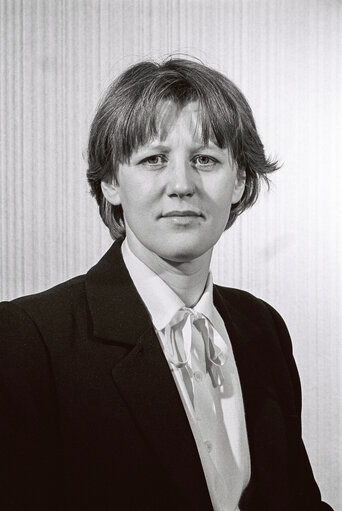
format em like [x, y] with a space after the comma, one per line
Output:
[57, 56]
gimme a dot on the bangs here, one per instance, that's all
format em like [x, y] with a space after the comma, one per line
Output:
[152, 115]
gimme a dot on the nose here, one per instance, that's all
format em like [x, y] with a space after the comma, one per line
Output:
[181, 180]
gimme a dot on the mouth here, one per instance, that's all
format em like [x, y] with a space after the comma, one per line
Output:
[183, 219]
[182, 213]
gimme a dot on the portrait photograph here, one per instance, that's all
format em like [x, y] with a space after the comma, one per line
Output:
[170, 255]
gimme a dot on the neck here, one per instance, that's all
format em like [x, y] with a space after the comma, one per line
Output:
[187, 279]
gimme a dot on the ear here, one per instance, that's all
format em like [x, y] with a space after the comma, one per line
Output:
[111, 191]
[239, 186]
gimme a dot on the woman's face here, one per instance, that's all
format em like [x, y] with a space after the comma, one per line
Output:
[176, 193]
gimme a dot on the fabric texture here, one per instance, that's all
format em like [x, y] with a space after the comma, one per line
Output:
[91, 417]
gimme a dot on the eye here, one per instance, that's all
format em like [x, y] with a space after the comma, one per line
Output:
[204, 161]
[153, 161]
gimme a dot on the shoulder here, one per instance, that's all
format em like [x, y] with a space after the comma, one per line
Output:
[64, 293]
[248, 304]
[58, 303]
[255, 313]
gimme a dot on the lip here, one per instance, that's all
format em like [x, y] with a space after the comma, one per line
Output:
[182, 213]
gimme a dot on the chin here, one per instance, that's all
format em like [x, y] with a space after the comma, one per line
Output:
[184, 254]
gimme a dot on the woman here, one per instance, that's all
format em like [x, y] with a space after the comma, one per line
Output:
[142, 385]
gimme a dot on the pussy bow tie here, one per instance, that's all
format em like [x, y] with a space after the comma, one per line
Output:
[178, 334]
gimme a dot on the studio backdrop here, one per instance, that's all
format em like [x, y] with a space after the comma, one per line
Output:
[58, 56]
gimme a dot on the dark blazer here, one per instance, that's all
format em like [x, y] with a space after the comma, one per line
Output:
[91, 418]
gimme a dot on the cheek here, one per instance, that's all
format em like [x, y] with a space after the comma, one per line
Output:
[221, 209]
[221, 200]
[137, 193]
[130, 197]
[136, 210]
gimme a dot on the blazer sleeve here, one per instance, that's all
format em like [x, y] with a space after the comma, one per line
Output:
[304, 487]
[29, 438]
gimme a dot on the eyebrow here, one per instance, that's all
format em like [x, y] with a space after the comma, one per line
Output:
[155, 147]
[210, 145]
[164, 148]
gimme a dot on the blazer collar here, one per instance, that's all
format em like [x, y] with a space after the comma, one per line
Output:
[118, 313]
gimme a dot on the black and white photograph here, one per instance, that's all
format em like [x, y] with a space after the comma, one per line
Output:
[170, 255]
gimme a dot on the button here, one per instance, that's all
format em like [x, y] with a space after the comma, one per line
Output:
[208, 445]
[198, 376]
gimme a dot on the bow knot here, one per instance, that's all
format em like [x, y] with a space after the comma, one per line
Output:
[179, 334]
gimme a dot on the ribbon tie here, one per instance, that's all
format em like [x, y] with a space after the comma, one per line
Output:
[178, 334]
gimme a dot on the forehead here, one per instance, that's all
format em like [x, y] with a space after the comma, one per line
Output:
[170, 116]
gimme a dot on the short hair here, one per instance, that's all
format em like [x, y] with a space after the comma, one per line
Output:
[127, 117]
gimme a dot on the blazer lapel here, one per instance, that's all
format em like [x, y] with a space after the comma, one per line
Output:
[264, 420]
[143, 377]
[146, 383]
